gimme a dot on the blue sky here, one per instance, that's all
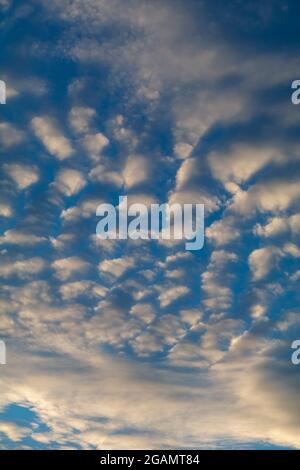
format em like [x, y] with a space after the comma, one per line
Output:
[141, 344]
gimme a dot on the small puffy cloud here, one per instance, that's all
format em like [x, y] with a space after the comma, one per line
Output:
[292, 250]
[5, 210]
[262, 260]
[61, 241]
[257, 310]
[186, 171]
[191, 316]
[268, 196]
[72, 290]
[183, 150]
[9, 135]
[179, 256]
[80, 118]
[274, 226]
[22, 268]
[175, 274]
[239, 163]
[146, 344]
[216, 285]
[67, 267]
[52, 138]
[170, 294]
[187, 196]
[30, 85]
[102, 174]
[94, 144]
[223, 231]
[13, 431]
[23, 175]
[278, 226]
[136, 170]
[69, 181]
[15, 237]
[144, 311]
[116, 266]
[85, 209]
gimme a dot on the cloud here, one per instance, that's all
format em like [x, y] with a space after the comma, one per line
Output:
[83, 210]
[22, 268]
[186, 171]
[268, 196]
[144, 311]
[136, 170]
[94, 144]
[183, 150]
[240, 162]
[170, 294]
[199, 196]
[5, 210]
[223, 231]
[14, 431]
[116, 266]
[62, 241]
[72, 290]
[10, 136]
[292, 250]
[68, 267]
[262, 260]
[52, 138]
[80, 118]
[23, 175]
[215, 285]
[15, 237]
[277, 226]
[106, 176]
[69, 181]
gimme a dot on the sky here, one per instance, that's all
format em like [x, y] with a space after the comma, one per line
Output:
[140, 344]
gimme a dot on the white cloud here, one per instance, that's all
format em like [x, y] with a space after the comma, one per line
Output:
[223, 231]
[52, 138]
[187, 196]
[72, 290]
[116, 266]
[5, 210]
[80, 118]
[278, 226]
[262, 260]
[268, 196]
[104, 175]
[94, 144]
[23, 175]
[13, 431]
[22, 268]
[15, 237]
[9, 135]
[170, 294]
[257, 310]
[292, 250]
[215, 284]
[183, 150]
[69, 181]
[240, 162]
[67, 267]
[85, 209]
[62, 240]
[136, 170]
[144, 311]
[187, 170]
